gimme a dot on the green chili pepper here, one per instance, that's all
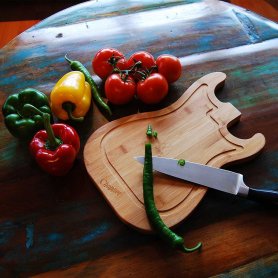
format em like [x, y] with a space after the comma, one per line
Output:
[181, 162]
[78, 66]
[20, 122]
[157, 223]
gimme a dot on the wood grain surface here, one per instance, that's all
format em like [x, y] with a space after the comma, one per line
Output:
[63, 226]
[194, 128]
[17, 16]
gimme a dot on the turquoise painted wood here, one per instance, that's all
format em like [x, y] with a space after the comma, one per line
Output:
[62, 225]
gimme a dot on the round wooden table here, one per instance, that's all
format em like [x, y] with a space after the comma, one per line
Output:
[62, 226]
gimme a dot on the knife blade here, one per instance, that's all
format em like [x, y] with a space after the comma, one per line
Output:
[212, 177]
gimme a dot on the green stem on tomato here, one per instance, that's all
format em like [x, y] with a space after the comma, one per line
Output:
[113, 60]
[142, 73]
[133, 70]
[152, 69]
[137, 64]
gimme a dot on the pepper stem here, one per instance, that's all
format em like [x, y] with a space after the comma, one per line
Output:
[53, 142]
[68, 60]
[69, 107]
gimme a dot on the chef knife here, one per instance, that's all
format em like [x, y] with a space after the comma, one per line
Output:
[216, 178]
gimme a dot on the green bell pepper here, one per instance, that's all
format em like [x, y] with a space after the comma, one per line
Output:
[21, 122]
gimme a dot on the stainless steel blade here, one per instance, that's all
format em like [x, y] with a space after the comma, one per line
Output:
[219, 179]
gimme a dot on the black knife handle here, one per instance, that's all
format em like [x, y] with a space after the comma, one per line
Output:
[266, 196]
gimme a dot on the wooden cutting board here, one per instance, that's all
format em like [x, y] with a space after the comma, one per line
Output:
[193, 128]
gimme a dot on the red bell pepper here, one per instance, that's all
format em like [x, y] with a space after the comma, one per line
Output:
[55, 148]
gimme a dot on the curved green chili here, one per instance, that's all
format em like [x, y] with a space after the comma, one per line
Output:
[76, 65]
[157, 223]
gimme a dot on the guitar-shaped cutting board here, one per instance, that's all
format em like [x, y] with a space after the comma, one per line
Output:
[193, 128]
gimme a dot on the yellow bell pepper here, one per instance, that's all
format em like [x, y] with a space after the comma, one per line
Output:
[71, 97]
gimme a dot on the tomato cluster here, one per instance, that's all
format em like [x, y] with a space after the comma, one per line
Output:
[140, 75]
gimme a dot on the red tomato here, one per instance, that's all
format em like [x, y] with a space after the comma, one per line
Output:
[119, 90]
[122, 64]
[169, 66]
[146, 58]
[103, 61]
[153, 89]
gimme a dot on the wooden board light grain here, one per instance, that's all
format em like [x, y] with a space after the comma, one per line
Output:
[194, 128]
